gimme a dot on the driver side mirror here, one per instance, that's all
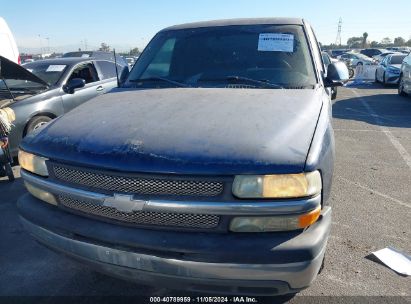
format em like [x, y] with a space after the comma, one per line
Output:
[337, 75]
[75, 83]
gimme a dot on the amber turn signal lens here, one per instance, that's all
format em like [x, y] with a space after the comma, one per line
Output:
[310, 218]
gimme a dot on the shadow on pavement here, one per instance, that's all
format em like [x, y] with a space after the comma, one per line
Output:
[366, 85]
[390, 110]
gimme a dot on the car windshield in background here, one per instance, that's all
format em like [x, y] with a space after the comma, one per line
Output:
[269, 56]
[50, 73]
[83, 54]
[397, 59]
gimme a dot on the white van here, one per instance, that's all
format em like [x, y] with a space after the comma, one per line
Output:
[8, 47]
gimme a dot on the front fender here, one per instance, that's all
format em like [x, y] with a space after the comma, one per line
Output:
[321, 154]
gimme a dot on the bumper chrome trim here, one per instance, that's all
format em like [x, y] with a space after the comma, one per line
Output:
[297, 275]
[196, 207]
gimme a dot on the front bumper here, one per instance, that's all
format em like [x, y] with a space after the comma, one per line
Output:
[259, 264]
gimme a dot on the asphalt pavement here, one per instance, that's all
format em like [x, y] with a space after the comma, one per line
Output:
[371, 199]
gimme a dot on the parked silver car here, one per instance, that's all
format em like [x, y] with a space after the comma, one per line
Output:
[43, 90]
[388, 71]
[404, 87]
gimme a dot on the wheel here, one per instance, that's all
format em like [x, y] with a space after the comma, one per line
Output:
[359, 64]
[2, 171]
[384, 81]
[333, 93]
[401, 87]
[9, 172]
[376, 77]
[351, 72]
[36, 122]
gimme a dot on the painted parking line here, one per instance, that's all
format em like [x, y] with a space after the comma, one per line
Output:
[397, 145]
[390, 198]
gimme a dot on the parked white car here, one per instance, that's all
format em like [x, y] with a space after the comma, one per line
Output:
[355, 59]
[404, 86]
[388, 71]
[379, 58]
[8, 46]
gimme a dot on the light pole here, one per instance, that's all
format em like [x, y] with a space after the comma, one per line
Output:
[41, 46]
[48, 45]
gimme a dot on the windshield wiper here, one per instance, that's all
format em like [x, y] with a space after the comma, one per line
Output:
[156, 78]
[263, 83]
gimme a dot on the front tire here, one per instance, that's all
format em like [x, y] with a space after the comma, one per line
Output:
[9, 172]
[401, 87]
[376, 77]
[36, 122]
[333, 93]
[384, 81]
[351, 72]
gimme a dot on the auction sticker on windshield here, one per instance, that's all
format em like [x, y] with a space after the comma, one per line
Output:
[274, 42]
[55, 68]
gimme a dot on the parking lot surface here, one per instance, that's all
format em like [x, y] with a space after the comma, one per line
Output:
[371, 201]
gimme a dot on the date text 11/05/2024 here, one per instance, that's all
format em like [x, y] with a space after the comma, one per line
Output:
[238, 299]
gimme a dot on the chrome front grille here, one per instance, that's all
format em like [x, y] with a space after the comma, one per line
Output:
[183, 220]
[138, 185]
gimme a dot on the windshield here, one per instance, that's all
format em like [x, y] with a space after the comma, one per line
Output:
[218, 56]
[50, 73]
[397, 59]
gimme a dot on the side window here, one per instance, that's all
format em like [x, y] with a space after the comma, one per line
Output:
[160, 66]
[107, 69]
[85, 71]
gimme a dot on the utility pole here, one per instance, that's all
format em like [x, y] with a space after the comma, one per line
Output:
[338, 39]
[41, 46]
[48, 45]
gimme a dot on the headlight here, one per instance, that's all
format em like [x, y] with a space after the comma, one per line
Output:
[33, 163]
[274, 223]
[277, 186]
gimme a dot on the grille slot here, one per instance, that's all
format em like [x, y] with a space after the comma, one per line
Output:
[184, 220]
[138, 185]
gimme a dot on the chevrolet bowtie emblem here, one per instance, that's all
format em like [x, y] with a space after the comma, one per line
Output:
[124, 203]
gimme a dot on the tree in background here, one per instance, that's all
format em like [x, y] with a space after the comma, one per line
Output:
[104, 47]
[386, 41]
[374, 44]
[355, 42]
[134, 52]
[399, 41]
[364, 39]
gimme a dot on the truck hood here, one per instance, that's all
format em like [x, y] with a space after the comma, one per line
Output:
[186, 131]
[11, 70]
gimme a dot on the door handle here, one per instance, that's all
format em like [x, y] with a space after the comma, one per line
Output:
[100, 88]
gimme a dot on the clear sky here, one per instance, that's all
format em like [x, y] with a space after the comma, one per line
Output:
[124, 24]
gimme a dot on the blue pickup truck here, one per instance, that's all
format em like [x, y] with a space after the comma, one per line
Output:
[209, 169]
